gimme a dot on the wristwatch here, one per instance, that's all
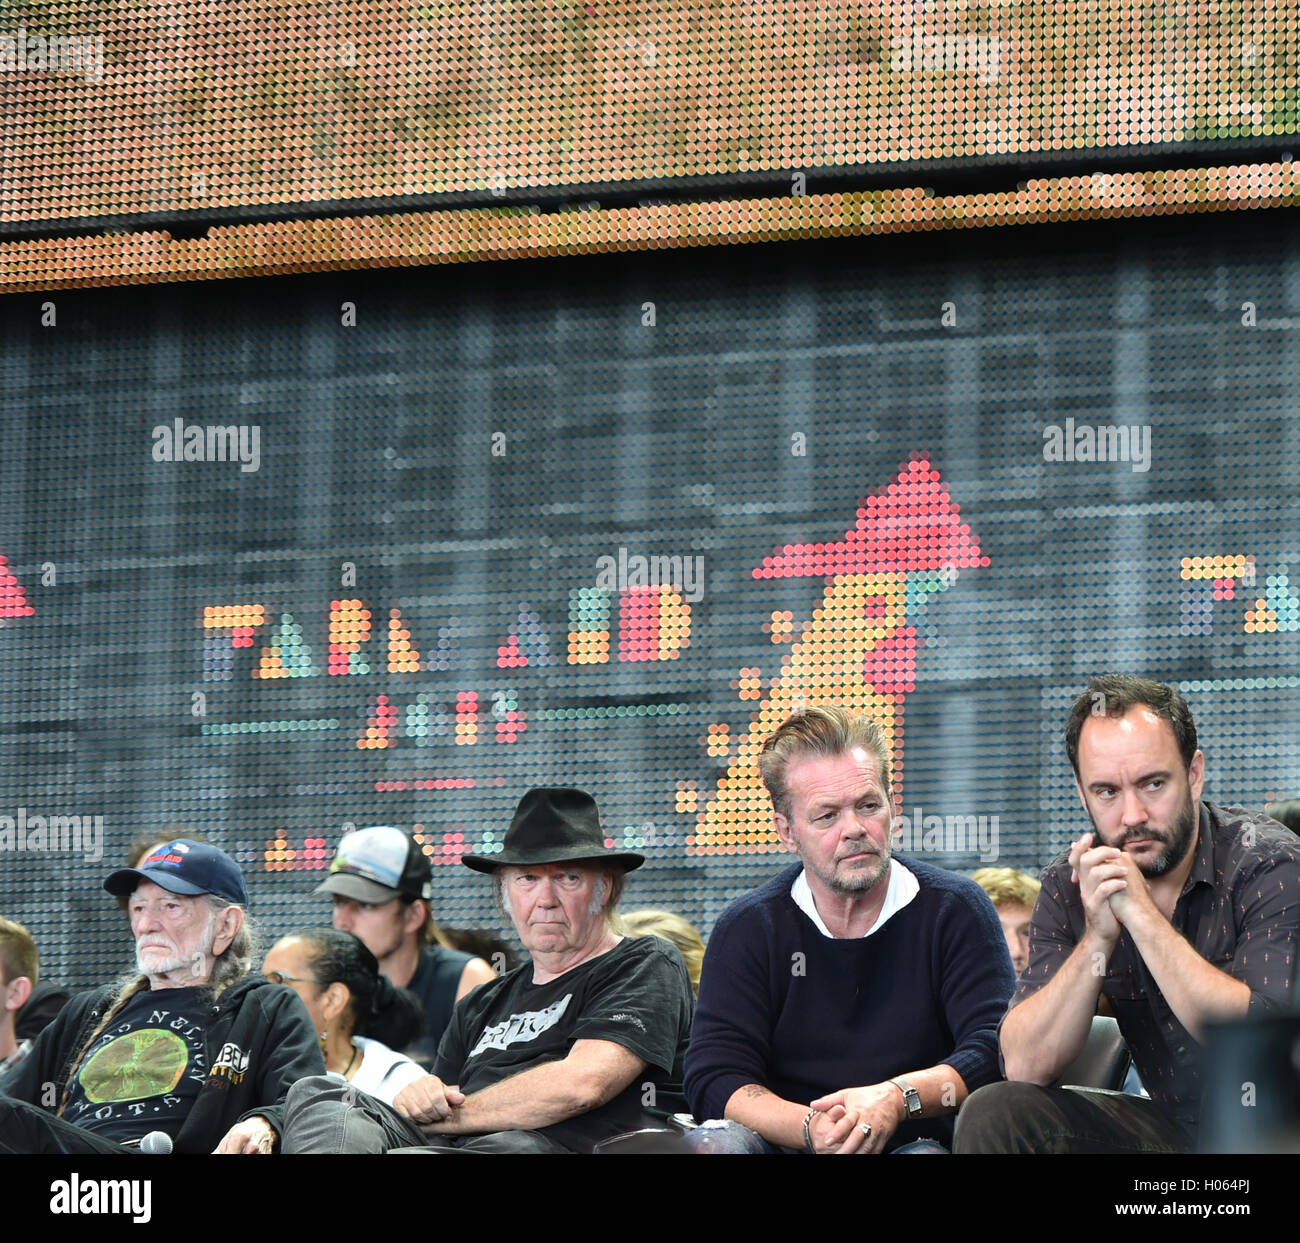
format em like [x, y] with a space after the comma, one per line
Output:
[911, 1097]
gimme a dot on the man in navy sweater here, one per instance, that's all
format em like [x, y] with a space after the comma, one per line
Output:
[851, 1003]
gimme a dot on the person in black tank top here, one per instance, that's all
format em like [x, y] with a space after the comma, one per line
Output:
[382, 886]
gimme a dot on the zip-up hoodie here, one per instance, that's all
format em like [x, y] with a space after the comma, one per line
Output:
[258, 1038]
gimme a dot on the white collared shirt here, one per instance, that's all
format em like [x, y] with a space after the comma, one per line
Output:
[902, 888]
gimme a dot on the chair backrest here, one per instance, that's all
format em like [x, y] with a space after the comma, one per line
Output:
[1250, 1085]
[1104, 1061]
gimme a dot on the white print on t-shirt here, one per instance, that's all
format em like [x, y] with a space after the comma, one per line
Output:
[519, 1028]
[232, 1062]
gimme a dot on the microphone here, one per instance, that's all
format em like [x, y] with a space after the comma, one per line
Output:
[158, 1143]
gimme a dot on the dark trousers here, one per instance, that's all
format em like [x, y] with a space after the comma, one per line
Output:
[1022, 1117]
[28, 1128]
[324, 1114]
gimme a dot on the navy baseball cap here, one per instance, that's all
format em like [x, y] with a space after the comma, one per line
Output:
[186, 867]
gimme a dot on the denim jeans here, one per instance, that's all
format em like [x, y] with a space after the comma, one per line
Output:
[28, 1128]
[326, 1114]
[732, 1139]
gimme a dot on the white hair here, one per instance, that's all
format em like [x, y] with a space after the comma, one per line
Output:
[236, 960]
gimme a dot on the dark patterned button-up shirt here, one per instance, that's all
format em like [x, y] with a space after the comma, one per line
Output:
[1239, 909]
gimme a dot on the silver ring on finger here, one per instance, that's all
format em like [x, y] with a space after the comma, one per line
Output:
[865, 1128]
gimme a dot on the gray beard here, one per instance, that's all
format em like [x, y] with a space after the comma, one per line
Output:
[857, 884]
[165, 966]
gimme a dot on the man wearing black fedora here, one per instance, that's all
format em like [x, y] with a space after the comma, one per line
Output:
[584, 1041]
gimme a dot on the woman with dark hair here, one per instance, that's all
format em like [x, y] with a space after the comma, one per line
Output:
[357, 1011]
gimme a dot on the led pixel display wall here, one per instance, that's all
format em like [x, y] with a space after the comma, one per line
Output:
[174, 106]
[459, 532]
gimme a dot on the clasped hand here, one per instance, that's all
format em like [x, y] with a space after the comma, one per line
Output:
[1111, 885]
[428, 1100]
[841, 1126]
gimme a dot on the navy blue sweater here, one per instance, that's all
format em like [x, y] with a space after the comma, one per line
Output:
[803, 1014]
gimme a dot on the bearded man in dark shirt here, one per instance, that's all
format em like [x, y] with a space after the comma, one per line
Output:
[1174, 913]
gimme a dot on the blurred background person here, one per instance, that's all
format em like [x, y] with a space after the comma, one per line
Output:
[675, 929]
[1013, 894]
[31, 1004]
[1286, 811]
[482, 943]
[382, 887]
[356, 1010]
[19, 971]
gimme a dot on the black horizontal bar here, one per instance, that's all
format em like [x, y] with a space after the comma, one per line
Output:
[945, 175]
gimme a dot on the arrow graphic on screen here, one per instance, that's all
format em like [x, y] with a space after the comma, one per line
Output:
[858, 649]
[13, 600]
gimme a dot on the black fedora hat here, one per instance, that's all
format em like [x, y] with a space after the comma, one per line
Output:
[554, 825]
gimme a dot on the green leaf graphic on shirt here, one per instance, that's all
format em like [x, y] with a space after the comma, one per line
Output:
[142, 1063]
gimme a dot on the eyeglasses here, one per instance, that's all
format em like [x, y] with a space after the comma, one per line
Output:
[278, 977]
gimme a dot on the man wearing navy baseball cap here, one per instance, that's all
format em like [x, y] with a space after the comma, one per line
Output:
[189, 1052]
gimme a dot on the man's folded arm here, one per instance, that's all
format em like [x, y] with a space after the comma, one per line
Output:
[976, 983]
[778, 1121]
[1198, 991]
[731, 1032]
[594, 1072]
[291, 1053]
[1048, 1024]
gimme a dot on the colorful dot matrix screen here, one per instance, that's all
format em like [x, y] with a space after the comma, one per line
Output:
[174, 141]
[606, 521]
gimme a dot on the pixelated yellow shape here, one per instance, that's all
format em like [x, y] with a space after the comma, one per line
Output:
[824, 667]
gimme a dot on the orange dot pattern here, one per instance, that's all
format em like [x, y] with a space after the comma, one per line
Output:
[381, 722]
[402, 656]
[240, 619]
[717, 741]
[349, 628]
[589, 626]
[463, 236]
[188, 106]
[654, 623]
[237, 621]
[780, 625]
[314, 855]
[858, 650]
[466, 718]
[1233, 566]
[750, 684]
[687, 798]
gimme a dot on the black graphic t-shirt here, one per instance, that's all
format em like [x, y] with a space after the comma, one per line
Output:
[144, 1072]
[638, 996]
